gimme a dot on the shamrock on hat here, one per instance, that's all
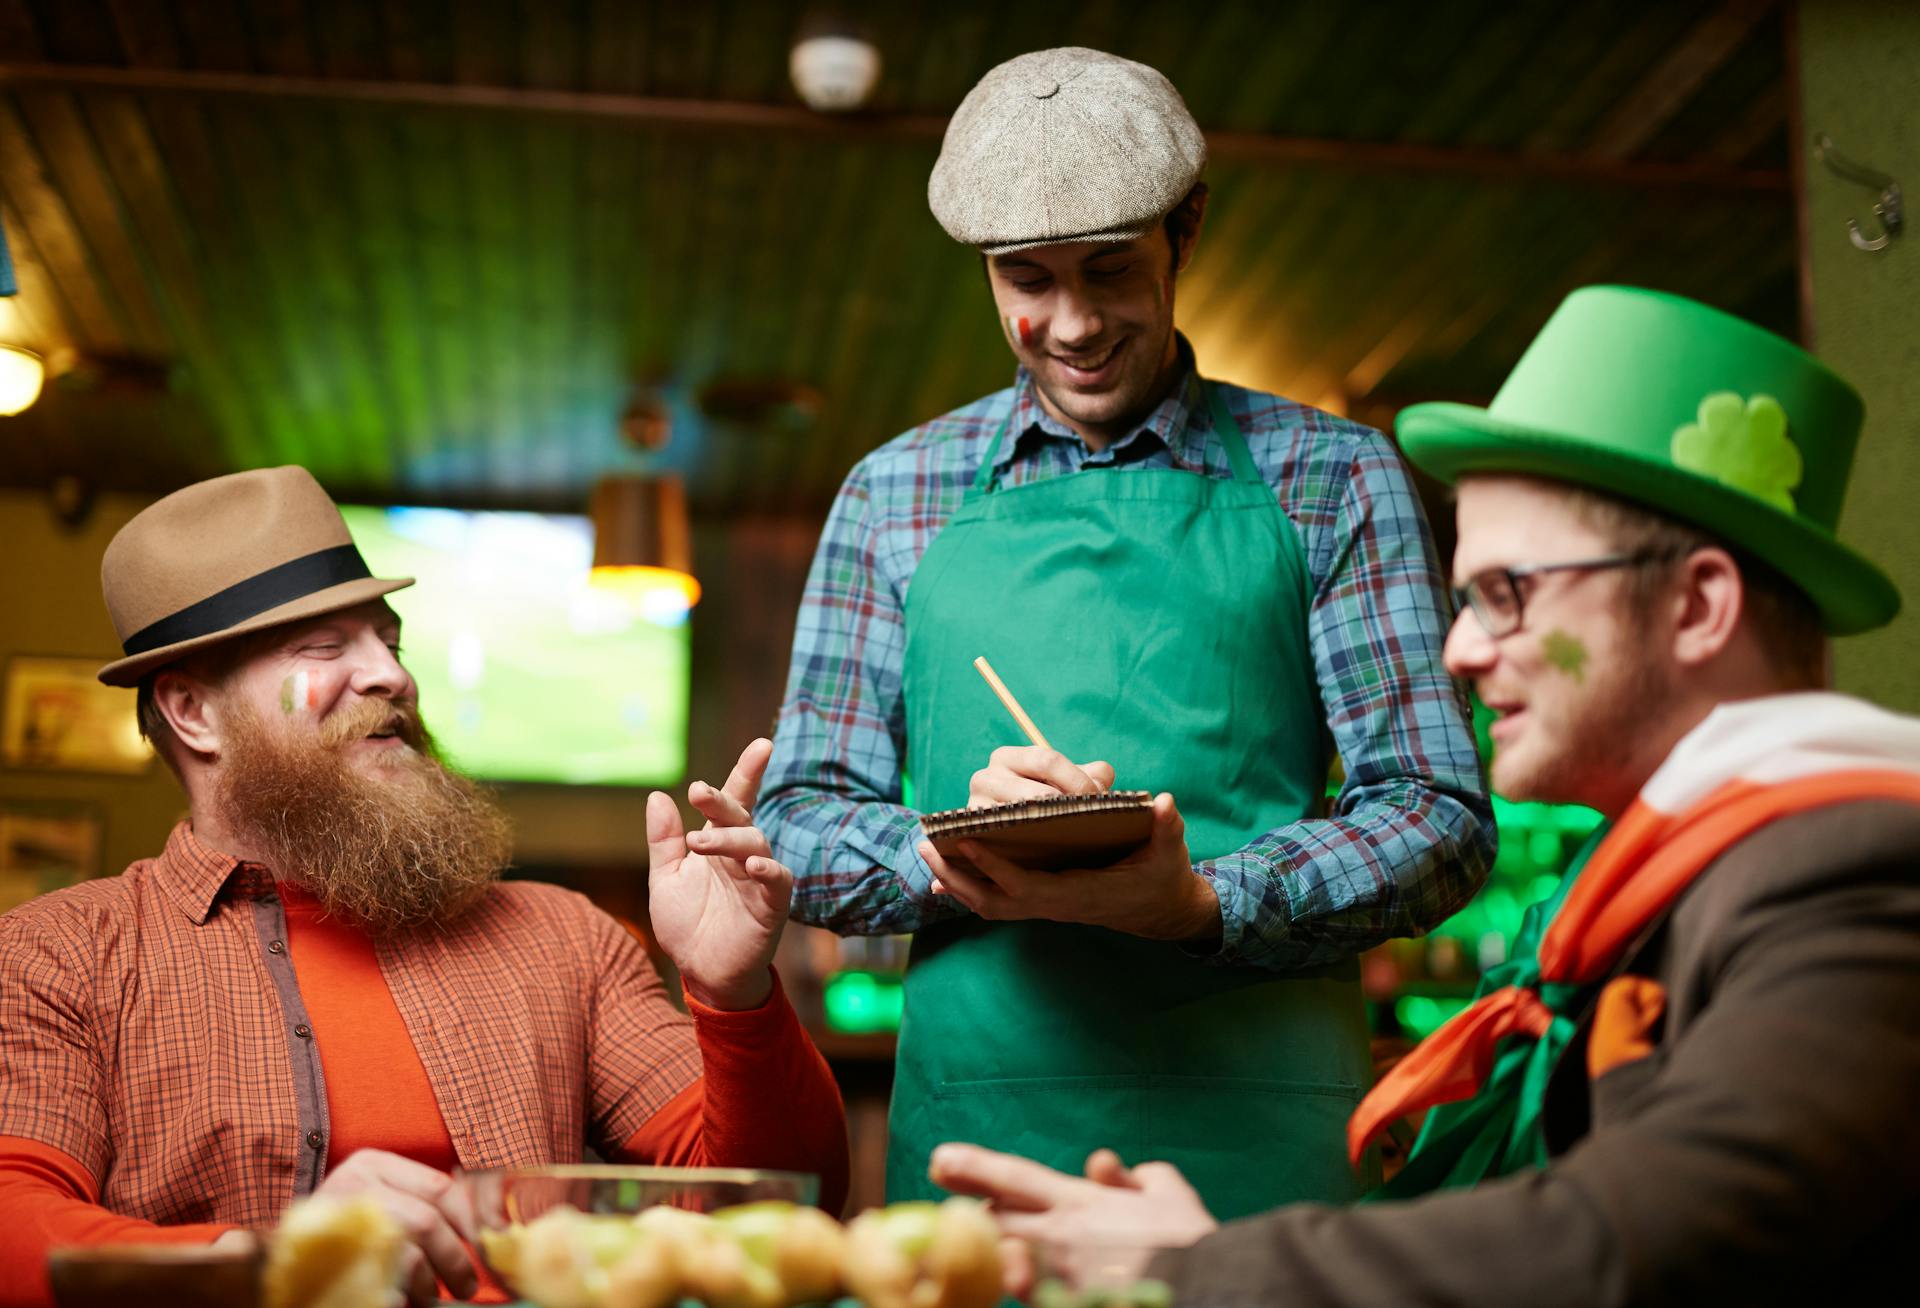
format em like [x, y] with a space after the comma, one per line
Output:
[1602, 399]
[1742, 445]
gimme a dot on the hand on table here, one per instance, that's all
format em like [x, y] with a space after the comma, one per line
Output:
[1153, 892]
[717, 897]
[429, 1209]
[1114, 1212]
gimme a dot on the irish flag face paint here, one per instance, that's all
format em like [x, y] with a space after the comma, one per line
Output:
[1020, 329]
[296, 693]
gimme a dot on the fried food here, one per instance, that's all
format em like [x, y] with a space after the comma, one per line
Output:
[803, 1247]
[565, 1258]
[924, 1255]
[760, 1255]
[331, 1253]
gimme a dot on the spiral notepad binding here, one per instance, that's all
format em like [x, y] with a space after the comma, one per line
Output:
[1060, 831]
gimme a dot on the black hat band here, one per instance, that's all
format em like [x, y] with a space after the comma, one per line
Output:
[279, 585]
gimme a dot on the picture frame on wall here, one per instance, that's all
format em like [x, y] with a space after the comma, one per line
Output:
[45, 846]
[56, 716]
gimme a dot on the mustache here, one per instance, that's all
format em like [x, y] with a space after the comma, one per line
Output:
[371, 716]
[407, 844]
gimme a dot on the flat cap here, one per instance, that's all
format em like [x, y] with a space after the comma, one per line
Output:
[1064, 145]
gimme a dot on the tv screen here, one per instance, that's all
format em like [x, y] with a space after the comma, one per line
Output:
[526, 671]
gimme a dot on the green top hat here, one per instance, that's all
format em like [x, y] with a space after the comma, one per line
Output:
[1687, 410]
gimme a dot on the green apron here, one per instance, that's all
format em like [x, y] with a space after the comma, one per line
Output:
[1154, 618]
[1499, 1130]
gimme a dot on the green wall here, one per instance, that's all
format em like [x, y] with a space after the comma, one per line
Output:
[1860, 84]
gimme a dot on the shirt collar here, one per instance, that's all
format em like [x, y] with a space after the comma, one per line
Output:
[196, 873]
[1181, 422]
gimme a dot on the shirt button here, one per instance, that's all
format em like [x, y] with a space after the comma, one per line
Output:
[276, 947]
[303, 1030]
[313, 1139]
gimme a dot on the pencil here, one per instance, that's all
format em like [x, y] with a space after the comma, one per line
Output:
[985, 669]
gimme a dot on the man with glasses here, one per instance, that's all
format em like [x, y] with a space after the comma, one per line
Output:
[1694, 1081]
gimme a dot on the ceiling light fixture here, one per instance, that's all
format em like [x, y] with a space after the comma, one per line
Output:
[21, 375]
[642, 546]
[833, 69]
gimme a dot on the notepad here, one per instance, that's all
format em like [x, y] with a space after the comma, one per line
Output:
[1060, 831]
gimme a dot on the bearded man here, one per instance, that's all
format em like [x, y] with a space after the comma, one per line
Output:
[321, 986]
[1694, 1082]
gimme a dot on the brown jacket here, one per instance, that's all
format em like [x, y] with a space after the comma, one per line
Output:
[1768, 1150]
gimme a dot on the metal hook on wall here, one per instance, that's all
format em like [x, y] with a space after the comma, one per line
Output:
[1888, 208]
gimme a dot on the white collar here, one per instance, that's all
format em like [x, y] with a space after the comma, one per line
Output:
[1779, 738]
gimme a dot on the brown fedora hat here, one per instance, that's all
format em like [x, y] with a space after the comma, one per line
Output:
[228, 556]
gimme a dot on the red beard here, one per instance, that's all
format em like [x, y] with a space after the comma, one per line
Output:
[408, 844]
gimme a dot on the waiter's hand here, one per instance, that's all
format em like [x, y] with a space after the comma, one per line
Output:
[1016, 772]
[717, 897]
[1153, 892]
[428, 1207]
[1113, 1210]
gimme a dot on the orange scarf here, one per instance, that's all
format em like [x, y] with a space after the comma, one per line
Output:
[1638, 871]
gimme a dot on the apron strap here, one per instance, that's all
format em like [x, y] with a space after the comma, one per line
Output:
[1229, 432]
[984, 479]
[1238, 456]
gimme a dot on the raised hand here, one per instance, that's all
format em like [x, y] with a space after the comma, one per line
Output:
[718, 899]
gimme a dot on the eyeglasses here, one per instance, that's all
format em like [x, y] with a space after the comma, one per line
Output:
[1498, 602]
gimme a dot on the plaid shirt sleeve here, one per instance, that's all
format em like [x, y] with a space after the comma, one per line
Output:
[643, 1051]
[1410, 838]
[831, 800]
[51, 1090]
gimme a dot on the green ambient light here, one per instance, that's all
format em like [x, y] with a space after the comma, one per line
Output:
[863, 1003]
[1420, 1015]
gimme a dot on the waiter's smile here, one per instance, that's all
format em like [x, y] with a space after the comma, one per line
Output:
[1091, 369]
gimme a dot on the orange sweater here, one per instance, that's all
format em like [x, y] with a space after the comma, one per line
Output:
[378, 1097]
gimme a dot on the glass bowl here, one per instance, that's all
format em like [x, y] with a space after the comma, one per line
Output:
[517, 1195]
[505, 1203]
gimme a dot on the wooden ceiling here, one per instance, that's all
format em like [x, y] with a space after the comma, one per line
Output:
[434, 250]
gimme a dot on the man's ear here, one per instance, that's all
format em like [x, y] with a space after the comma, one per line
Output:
[1193, 216]
[1711, 597]
[185, 703]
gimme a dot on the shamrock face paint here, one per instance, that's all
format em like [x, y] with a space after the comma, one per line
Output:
[296, 693]
[1565, 652]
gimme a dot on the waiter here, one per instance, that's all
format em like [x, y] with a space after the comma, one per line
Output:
[1193, 588]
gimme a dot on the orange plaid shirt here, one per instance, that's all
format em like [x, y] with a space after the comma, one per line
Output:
[148, 1029]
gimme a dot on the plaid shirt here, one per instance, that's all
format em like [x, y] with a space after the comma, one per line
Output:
[1411, 834]
[150, 1028]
